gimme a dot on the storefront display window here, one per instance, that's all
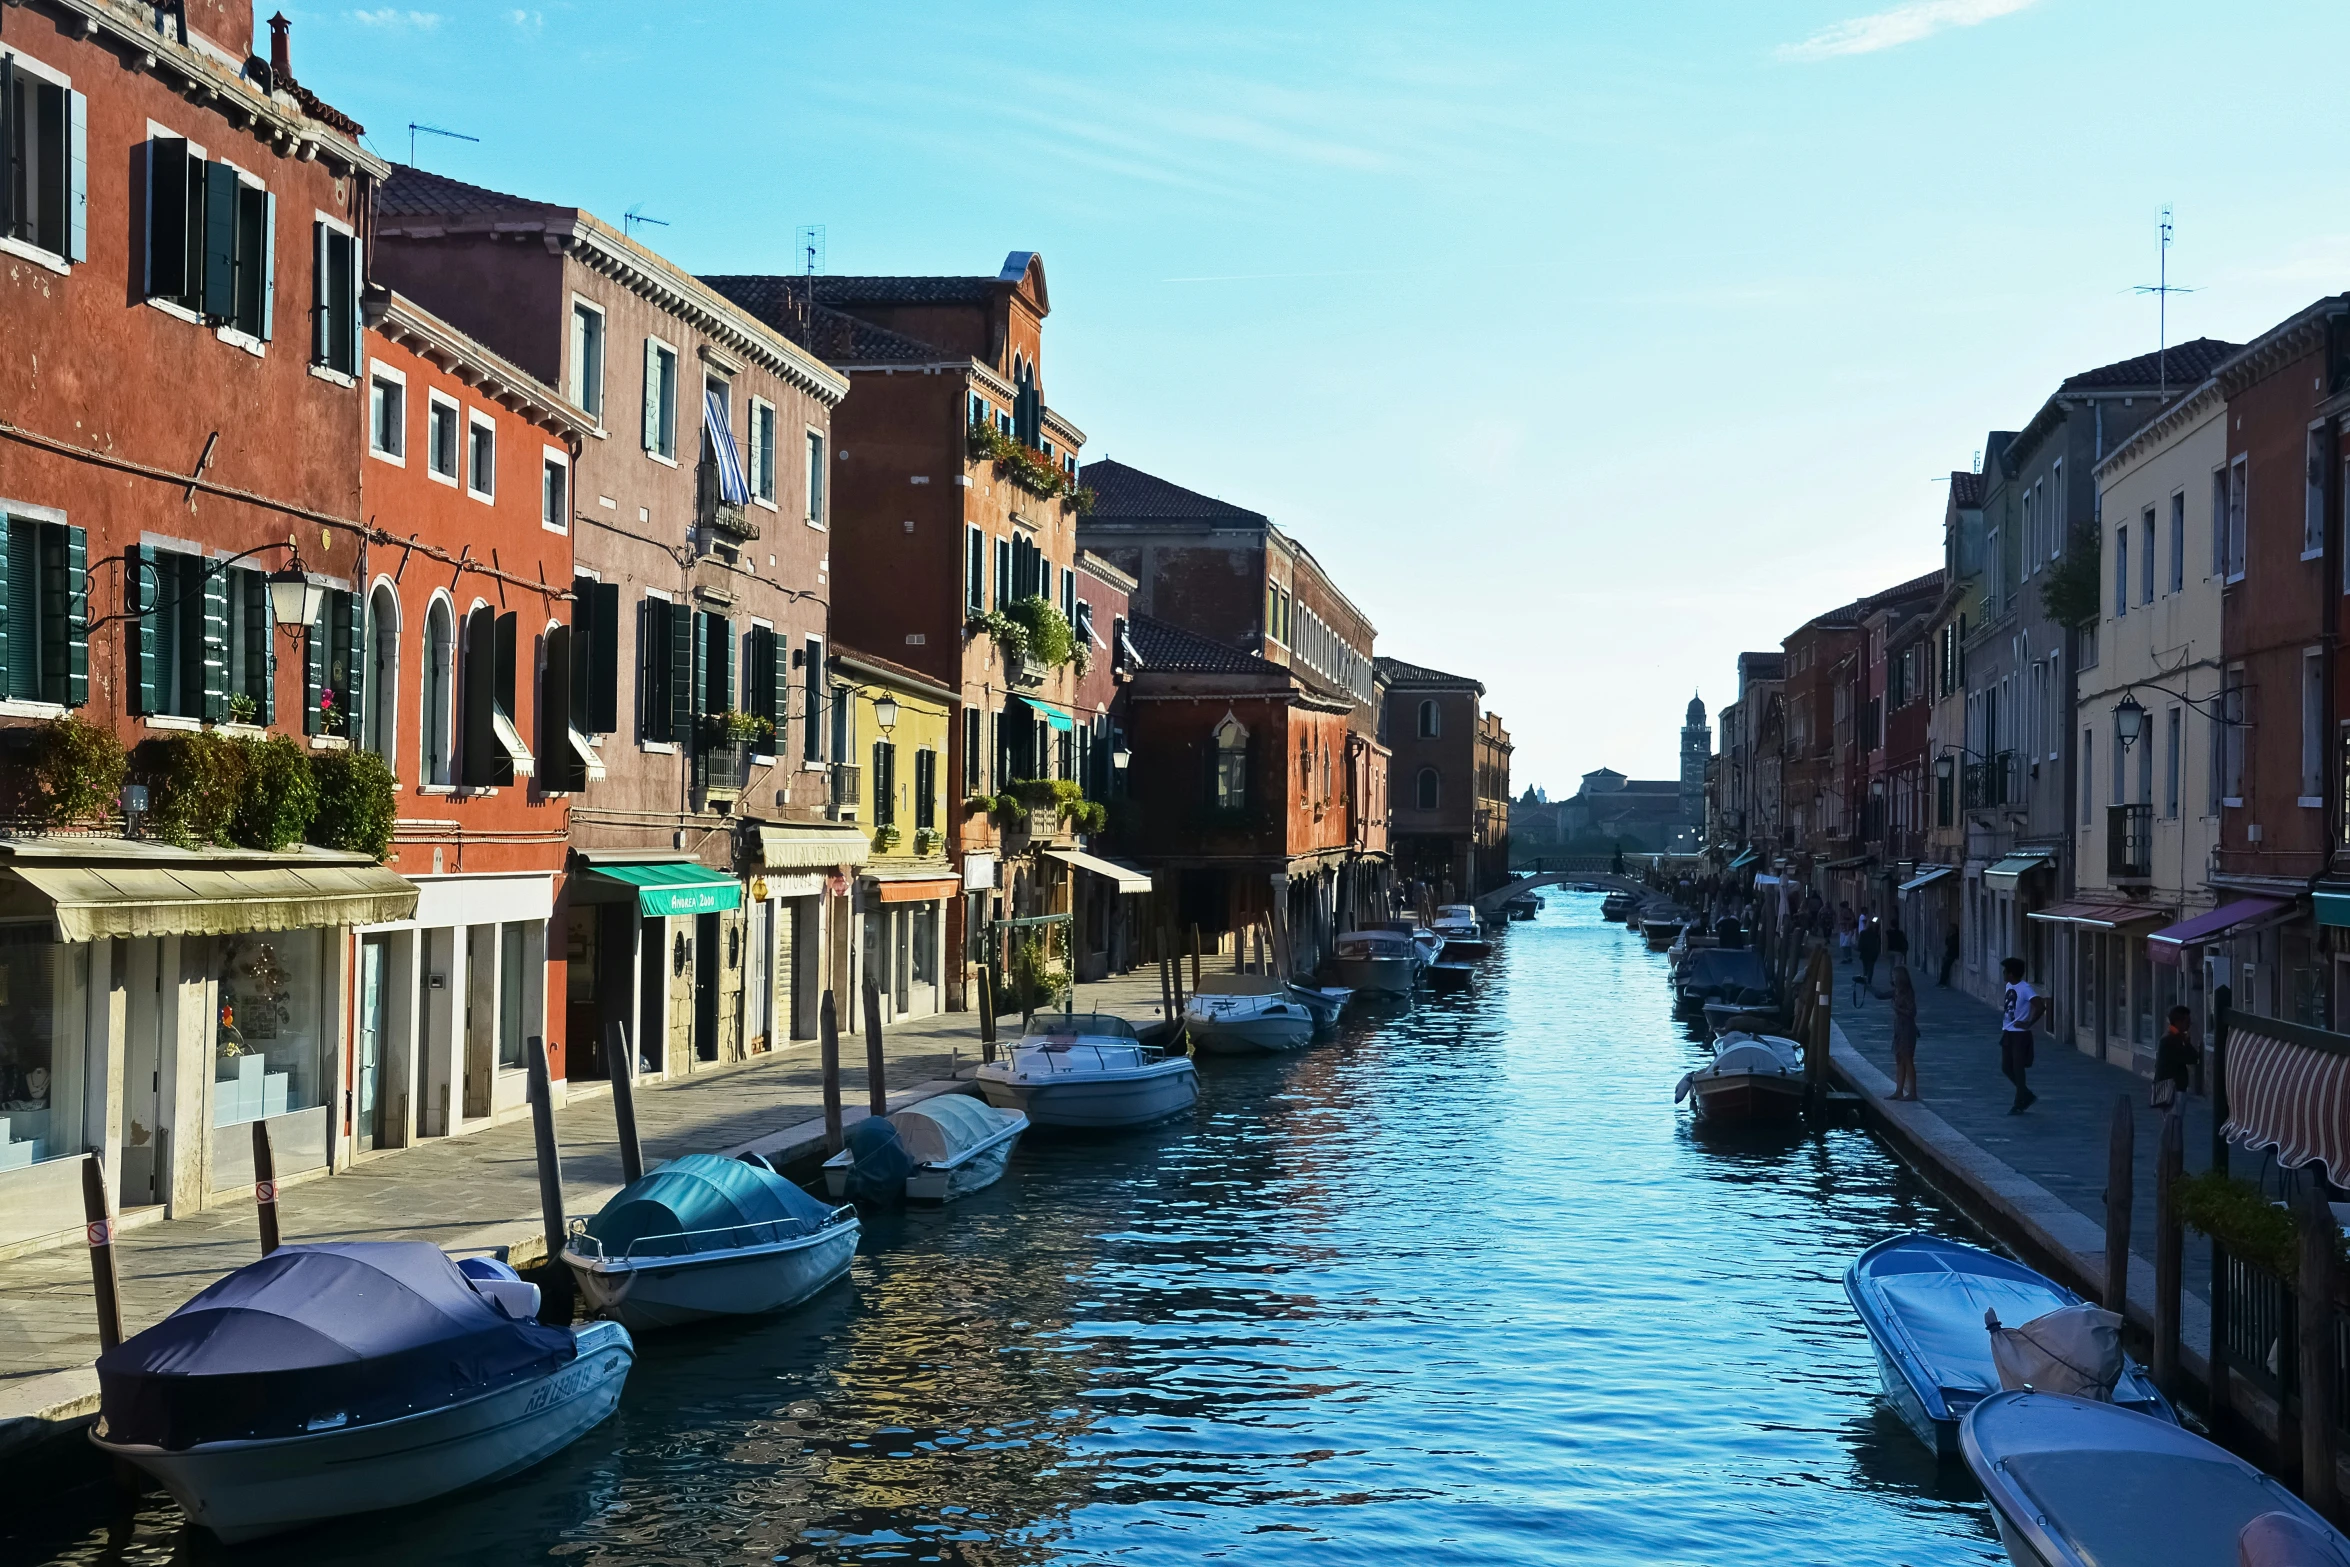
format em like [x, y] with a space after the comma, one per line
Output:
[269, 1053]
[926, 944]
[40, 1067]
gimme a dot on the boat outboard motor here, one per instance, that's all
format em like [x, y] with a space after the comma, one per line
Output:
[2074, 1350]
[879, 1163]
[2282, 1540]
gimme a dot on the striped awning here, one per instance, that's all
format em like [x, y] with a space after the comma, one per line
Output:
[2288, 1088]
[732, 486]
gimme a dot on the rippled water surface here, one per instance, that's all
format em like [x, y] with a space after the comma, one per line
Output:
[1458, 1286]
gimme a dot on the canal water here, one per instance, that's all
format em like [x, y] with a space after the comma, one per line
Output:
[1460, 1285]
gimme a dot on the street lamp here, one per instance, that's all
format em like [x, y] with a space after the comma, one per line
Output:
[1945, 767]
[885, 712]
[293, 598]
[2129, 720]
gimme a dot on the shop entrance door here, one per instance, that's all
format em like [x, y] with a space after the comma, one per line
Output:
[149, 1010]
[374, 1000]
[705, 987]
[901, 955]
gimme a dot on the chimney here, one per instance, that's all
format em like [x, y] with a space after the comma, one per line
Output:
[281, 58]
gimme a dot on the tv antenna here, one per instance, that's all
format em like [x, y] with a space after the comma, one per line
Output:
[2162, 289]
[634, 216]
[414, 128]
[809, 245]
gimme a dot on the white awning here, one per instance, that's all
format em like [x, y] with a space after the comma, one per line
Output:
[511, 738]
[1926, 875]
[1127, 878]
[2004, 873]
[812, 846]
[585, 750]
[178, 894]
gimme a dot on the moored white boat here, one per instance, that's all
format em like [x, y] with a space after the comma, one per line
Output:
[1381, 962]
[1462, 931]
[1326, 1002]
[1752, 1079]
[2078, 1483]
[1246, 1014]
[1088, 1070]
[1922, 1299]
[944, 1147]
[325, 1381]
[704, 1236]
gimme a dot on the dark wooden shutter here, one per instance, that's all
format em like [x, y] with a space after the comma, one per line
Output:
[700, 654]
[603, 659]
[653, 653]
[503, 638]
[583, 620]
[14, 610]
[722, 661]
[167, 216]
[681, 674]
[315, 639]
[1003, 572]
[7, 144]
[219, 282]
[260, 672]
[561, 768]
[353, 686]
[212, 670]
[139, 583]
[925, 789]
[478, 683]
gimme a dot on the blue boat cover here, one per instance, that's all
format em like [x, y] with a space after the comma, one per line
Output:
[878, 1162]
[701, 1203]
[364, 1330]
[1727, 969]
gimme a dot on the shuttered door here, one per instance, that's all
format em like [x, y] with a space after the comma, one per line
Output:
[681, 674]
[141, 585]
[212, 665]
[315, 638]
[219, 292]
[16, 602]
[352, 649]
[479, 682]
[259, 673]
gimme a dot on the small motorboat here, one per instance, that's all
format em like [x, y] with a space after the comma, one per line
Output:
[705, 1236]
[1424, 941]
[324, 1381]
[1246, 1015]
[1088, 1070]
[1662, 931]
[1381, 962]
[1923, 1301]
[945, 1147]
[1326, 1002]
[2074, 1482]
[1617, 906]
[1720, 974]
[1463, 932]
[1741, 1017]
[1753, 1079]
[1448, 978]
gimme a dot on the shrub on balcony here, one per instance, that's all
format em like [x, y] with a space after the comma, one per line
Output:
[2070, 591]
[2237, 1214]
[886, 837]
[357, 802]
[1032, 470]
[277, 799]
[927, 840]
[193, 781]
[981, 805]
[733, 728]
[71, 772]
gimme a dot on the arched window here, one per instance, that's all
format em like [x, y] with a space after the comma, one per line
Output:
[382, 677]
[1431, 789]
[440, 652]
[1229, 786]
[1431, 723]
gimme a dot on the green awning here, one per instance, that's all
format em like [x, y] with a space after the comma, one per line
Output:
[1742, 861]
[2333, 908]
[1053, 716]
[677, 887]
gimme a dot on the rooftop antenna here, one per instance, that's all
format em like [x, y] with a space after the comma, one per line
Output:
[636, 215]
[2162, 289]
[809, 242]
[431, 130]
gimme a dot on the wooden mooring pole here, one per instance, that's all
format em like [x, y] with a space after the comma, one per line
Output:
[1195, 959]
[555, 1289]
[98, 1226]
[2120, 1181]
[2319, 1239]
[2169, 1251]
[620, 1064]
[876, 1071]
[1166, 992]
[265, 1186]
[828, 1053]
[986, 1013]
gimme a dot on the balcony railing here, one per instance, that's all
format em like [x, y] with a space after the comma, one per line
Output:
[721, 767]
[2129, 842]
[1992, 782]
[714, 512]
[848, 784]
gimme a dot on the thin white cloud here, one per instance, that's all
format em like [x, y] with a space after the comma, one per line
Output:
[393, 16]
[532, 21]
[1903, 24]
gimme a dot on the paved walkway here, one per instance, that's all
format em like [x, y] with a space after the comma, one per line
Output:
[474, 1191]
[2060, 1143]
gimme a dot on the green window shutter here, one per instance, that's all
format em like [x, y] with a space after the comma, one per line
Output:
[213, 668]
[140, 582]
[722, 631]
[561, 769]
[503, 637]
[10, 610]
[652, 396]
[219, 292]
[478, 681]
[681, 674]
[354, 645]
[167, 216]
[259, 673]
[8, 144]
[315, 637]
[74, 601]
[77, 177]
[321, 329]
[268, 264]
[779, 696]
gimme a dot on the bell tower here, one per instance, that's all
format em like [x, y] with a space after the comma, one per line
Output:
[1696, 747]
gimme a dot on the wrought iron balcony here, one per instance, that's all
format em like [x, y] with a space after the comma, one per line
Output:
[1993, 782]
[848, 785]
[2129, 842]
[721, 766]
[715, 513]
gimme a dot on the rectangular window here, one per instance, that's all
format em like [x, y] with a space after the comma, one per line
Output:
[334, 308]
[2088, 778]
[1003, 574]
[975, 572]
[44, 158]
[765, 681]
[2313, 495]
[656, 659]
[2146, 558]
[2174, 737]
[555, 493]
[44, 652]
[2238, 475]
[763, 450]
[2121, 570]
[440, 437]
[2178, 540]
[812, 736]
[587, 359]
[2313, 695]
[2231, 747]
[815, 479]
[481, 458]
[885, 784]
[387, 416]
[660, 433]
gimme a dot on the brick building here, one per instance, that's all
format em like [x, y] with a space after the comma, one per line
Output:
[1431, 723]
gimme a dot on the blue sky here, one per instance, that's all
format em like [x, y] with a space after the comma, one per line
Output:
[1586, 345]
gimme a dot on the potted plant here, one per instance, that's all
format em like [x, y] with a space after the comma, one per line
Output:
[732, 728]
[927, 840]
[885, 837]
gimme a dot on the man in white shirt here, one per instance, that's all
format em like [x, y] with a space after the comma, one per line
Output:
[2020, 1013]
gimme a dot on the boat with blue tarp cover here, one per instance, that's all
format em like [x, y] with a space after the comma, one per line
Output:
[706, 1236]
[942, 1148]
[329, 1380]
[1923, 1301]
[1733, 974]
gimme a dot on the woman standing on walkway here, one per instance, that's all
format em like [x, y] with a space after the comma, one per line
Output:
[1905, 1034]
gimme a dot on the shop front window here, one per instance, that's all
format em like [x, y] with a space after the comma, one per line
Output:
[269, 1048]
[510, 995]
[40, 1068]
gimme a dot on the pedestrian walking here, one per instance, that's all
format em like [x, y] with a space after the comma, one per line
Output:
[1905, 1034]
[1870, 944]
[2175, 1059]
[1896, 944]
[2019, 1014]
[1949, 955]
[1847, 927]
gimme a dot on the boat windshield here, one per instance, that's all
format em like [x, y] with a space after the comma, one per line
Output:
[1069, 1025]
